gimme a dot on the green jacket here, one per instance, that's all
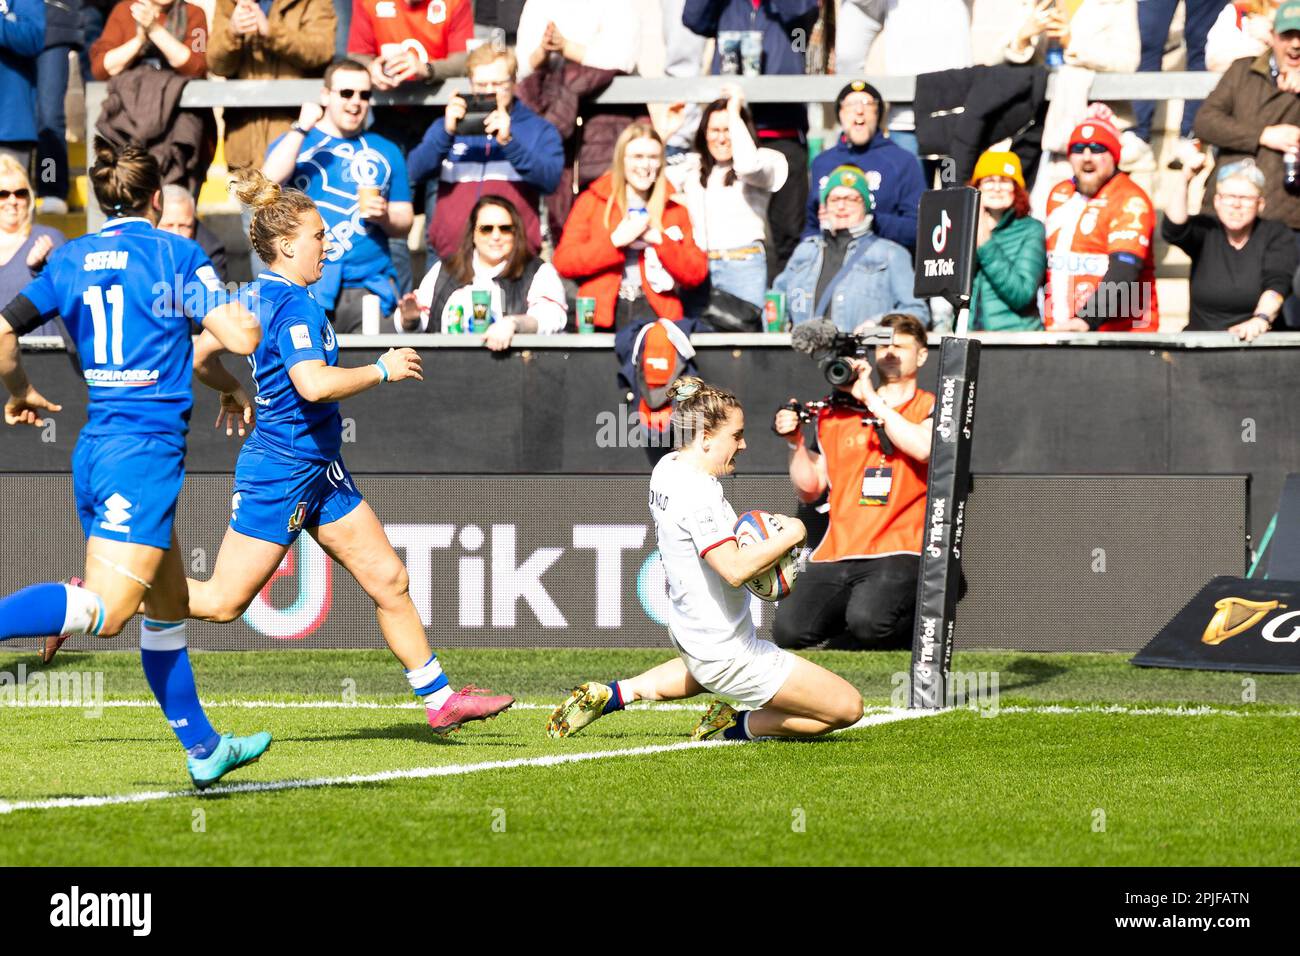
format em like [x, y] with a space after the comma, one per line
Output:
[1009, 270]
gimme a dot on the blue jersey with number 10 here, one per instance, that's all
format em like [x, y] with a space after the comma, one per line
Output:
[129, 295]
[294, 329]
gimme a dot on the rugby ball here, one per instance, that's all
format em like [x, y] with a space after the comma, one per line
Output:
[778, 581]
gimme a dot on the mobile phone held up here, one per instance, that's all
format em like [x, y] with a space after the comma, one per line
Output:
[477, 107]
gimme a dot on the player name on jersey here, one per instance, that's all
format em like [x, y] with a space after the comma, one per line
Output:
[133, 376]
[105, 259]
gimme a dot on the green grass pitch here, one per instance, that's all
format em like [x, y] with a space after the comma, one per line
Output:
[1088, 761]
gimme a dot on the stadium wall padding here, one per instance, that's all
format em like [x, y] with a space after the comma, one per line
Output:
[551, 561]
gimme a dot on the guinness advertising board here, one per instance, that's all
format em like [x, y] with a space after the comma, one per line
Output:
[1233, 624]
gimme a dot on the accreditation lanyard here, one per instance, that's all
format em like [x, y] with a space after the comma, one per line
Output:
[877, 481]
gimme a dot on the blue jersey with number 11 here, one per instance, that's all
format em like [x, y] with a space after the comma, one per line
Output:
[129, 295]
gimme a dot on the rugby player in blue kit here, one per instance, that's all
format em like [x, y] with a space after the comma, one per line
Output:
[129, 295]
[290, 476]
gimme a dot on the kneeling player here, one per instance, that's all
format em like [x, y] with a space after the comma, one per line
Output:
[708, 616]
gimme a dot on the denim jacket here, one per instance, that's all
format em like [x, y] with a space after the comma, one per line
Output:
[876, 279]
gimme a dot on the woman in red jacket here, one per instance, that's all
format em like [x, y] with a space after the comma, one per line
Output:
[628, 240]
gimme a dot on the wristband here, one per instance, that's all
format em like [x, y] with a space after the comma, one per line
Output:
[296, 128]
[383, 370]
[1261, 315]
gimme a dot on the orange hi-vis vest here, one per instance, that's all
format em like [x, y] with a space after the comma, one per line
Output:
[863, 525]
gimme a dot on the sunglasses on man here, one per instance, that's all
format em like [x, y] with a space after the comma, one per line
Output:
[348, 94]
[1095, 148]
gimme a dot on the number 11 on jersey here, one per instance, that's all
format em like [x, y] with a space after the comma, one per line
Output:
[95, 297]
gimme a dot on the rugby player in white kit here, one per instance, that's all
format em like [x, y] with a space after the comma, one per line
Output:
[781, 694]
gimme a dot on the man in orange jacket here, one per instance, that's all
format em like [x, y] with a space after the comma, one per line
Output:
[1100, 256]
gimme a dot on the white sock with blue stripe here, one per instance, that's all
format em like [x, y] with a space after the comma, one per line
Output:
[51, 608]
[430, 683]
[85, 612]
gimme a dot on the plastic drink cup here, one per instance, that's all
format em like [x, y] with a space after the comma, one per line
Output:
[481, 303]
[370, 315]
[586, 309]
[729, 59]
[774, 312]
[751, 52]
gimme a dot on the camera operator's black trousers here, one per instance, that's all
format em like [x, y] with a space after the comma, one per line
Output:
[862, 604]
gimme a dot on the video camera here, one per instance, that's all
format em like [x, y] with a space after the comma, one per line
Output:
[832, 349]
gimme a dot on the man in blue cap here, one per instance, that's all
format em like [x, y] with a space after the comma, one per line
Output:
[893, 174]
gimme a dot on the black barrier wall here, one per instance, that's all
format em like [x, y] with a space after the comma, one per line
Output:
[520, 561]
[1100, 563]
[1063, 409]
[553, 561]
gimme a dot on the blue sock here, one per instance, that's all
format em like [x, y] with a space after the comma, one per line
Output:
[42, 610]
[615, 701]
[740, 729]
[166, 663]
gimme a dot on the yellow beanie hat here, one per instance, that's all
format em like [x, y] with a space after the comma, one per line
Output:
[992, 163]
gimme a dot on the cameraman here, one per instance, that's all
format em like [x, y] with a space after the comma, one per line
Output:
[859, 588]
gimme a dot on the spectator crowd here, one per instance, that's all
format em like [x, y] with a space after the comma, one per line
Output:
[542, 197]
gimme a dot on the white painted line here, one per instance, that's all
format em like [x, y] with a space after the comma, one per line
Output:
[698, 707]
[415, 773]
[874, 716]
[1205, 710]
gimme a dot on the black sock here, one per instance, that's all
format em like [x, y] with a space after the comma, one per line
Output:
[615, 701]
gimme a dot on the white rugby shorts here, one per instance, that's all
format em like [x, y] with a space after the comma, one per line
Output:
[753, 677]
